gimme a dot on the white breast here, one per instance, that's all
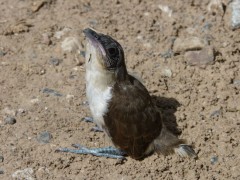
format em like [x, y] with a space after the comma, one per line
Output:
[98, 95]
[99, 83]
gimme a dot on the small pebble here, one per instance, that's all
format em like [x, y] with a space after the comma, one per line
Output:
[199, 58]
[147, 45]
[85, 103]
[51, 92]
[21, 111]
[1, 158]
[42, 72]
[1, 171]
[188, 44]
[44, 137]
[35, 100]
[10, 120]
[167, 72]
[166, 10]
[215, 6]
[46, 39]
[236, 82]
[207, 26]
[36, 6]
[119, 161]
[70, 98]
[235, 14]
[167, 54]
[25, 174]
[54, 61]
[2, 53]
[214, 160]
[216, 113]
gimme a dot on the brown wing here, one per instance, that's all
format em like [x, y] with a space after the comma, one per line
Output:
[132, 121]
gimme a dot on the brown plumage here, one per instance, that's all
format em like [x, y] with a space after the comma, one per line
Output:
[132, 121]
[122, 106]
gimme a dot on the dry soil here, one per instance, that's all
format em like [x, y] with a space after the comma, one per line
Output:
[42, 46]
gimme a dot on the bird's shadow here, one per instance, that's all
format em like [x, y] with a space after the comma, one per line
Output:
[168, 107]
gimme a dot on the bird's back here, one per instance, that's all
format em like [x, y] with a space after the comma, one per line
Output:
[132, 121]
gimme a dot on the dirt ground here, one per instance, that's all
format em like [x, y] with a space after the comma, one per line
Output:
[42, 46]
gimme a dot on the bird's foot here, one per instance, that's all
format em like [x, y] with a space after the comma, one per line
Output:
[109, 152]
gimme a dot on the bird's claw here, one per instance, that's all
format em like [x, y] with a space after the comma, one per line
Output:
[109, 152]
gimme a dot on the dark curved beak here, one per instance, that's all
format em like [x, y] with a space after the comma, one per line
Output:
[94, 37]
[91, 34]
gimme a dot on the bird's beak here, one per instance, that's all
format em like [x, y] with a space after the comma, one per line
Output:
[94, 38]
[90, 34]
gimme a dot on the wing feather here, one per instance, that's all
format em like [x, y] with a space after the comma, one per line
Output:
[132, 121]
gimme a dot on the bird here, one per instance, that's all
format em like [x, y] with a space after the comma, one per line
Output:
[122, 107]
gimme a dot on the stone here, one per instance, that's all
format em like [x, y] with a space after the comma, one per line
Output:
[235, 19]
[51, 92]
[2, 53]
[37, 5]
[216, 6]
[26, 174]
[10, 120]
[236, 82]
[188, 44]
[166, 10]
[44, 137]
[167, 54]
[167, 72]
[214, 160]
[216, 113]
[54, 61]
[1, 158]
[46, 38]
[34, 100]
[200, 58]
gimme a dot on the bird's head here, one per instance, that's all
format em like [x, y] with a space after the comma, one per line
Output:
[104, 53]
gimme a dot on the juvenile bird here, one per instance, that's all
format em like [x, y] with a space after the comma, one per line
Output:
[122, 107]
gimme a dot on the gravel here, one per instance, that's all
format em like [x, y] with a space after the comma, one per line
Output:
[10, 120]
[44, 137]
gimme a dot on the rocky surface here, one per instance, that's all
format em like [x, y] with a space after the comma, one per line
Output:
[42, 85]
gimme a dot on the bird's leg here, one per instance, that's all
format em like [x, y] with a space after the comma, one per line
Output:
[97, 129]
[88, 119]
[109, 152]
[94, 129]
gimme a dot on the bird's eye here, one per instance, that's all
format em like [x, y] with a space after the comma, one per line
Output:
[112, 51]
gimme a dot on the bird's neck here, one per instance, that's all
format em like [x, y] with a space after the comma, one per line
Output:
[100, 78]
[121, 74]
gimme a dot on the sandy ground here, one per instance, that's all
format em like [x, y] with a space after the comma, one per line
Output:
[42, 46]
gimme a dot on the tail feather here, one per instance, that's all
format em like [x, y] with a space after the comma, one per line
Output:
[167, 143]
[185, 150]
